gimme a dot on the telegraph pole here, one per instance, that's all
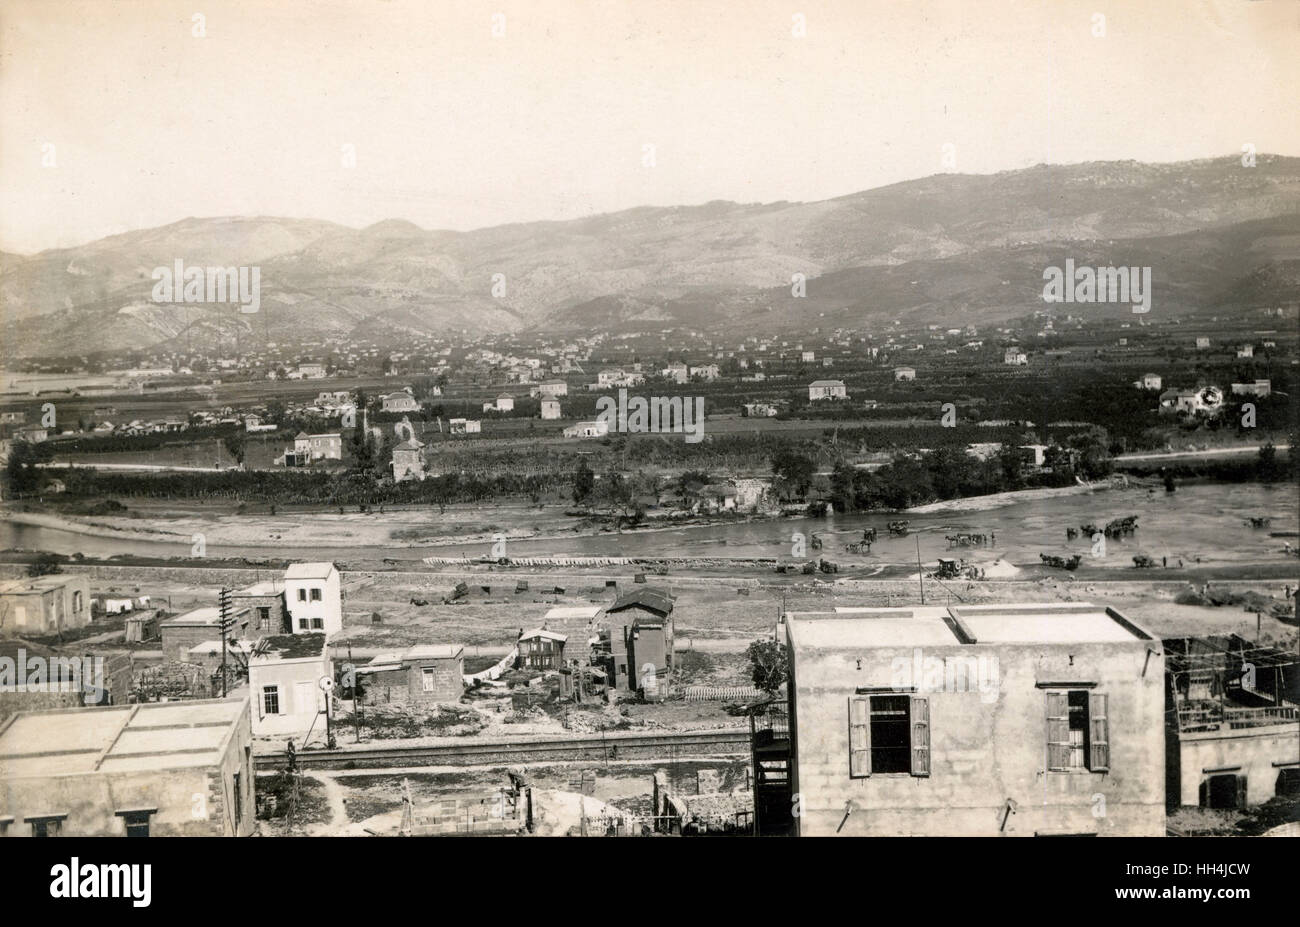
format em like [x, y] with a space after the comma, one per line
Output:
[920, 570]
[225, 621]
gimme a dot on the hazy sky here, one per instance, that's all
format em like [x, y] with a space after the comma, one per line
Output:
[455, 128]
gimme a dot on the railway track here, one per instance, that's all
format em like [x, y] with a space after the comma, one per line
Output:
[617, 746]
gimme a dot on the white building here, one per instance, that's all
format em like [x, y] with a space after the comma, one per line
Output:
[1260, 388]
[1149, 381]
[1015, 357]
[318, 447]
[904, 373]
[285, 674]
[826, 389]
[402, 401]
[552, 389]
[465, 426]
[594, 429]
[550, 408]
[313, 596]
[678, 373]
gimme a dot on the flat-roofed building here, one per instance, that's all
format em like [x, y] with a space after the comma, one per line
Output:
[313, 597]
[284, 684]
[264, 602]
[199, 626]
[44, 605]
[1233, 722]
[420, 675]
[180, 769]
[638, 637]
[998, 720]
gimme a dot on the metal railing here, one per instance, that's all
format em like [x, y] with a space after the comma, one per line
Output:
[1214, 717]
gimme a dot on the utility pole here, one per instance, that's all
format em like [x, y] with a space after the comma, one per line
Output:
[225, 620]
[920, 570]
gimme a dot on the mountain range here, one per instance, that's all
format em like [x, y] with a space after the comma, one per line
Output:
[950, 249]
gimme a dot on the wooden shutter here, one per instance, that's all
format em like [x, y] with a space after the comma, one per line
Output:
[1098, 733]
[1241, 792]
[1058, 730]
[859, 736]
[920, 718]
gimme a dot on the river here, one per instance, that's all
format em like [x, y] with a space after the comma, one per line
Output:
[1201, 520]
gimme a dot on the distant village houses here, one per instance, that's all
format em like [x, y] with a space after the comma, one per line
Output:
[826, 389]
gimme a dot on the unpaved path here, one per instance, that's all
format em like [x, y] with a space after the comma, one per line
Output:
[334, 794]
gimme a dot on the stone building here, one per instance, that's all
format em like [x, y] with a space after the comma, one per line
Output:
[176, 769]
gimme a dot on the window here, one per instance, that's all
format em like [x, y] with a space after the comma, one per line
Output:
[137, 821]
[302, 595]
[318, 623]
[1224, 791]
[302, 624]
[49, 825]
[264, 618]
[1077, 731]
[270, 700]
[76, 600]
[4, 825]
[1288, 782]
[429, 679]
[239, 801]
[315, 595]
[889, 734]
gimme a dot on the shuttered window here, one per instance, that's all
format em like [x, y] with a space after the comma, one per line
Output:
[1058, 731]
[889, 734]
[859, 737]
[1078, 731]
[920, 735]
[1098, 733]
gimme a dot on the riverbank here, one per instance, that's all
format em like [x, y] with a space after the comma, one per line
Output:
[999, 499]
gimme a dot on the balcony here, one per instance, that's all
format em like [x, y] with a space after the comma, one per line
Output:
[1214, 716]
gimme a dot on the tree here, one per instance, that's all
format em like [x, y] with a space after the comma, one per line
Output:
[1012, 466]
[235, 445]
[584, 481]
[276, 411]
[689, 484]
[22, 471]
[768, 664]
[793, 470]
[44, 564]
[1093, 448]
[618, 497]
[1269, 467]
[843, 497]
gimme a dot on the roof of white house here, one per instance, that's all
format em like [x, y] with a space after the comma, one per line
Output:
[433, 652]
[310, 570]
[129, 738]
[1051, 623]
[214, 646]
[209, 614]
[280, 648]
[265, 587]
[562, 612]
[543, 633]
[824, 383]
[36, 583]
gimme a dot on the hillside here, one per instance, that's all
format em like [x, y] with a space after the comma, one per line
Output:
[948, 248]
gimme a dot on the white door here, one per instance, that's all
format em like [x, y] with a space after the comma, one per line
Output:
[304, 699]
